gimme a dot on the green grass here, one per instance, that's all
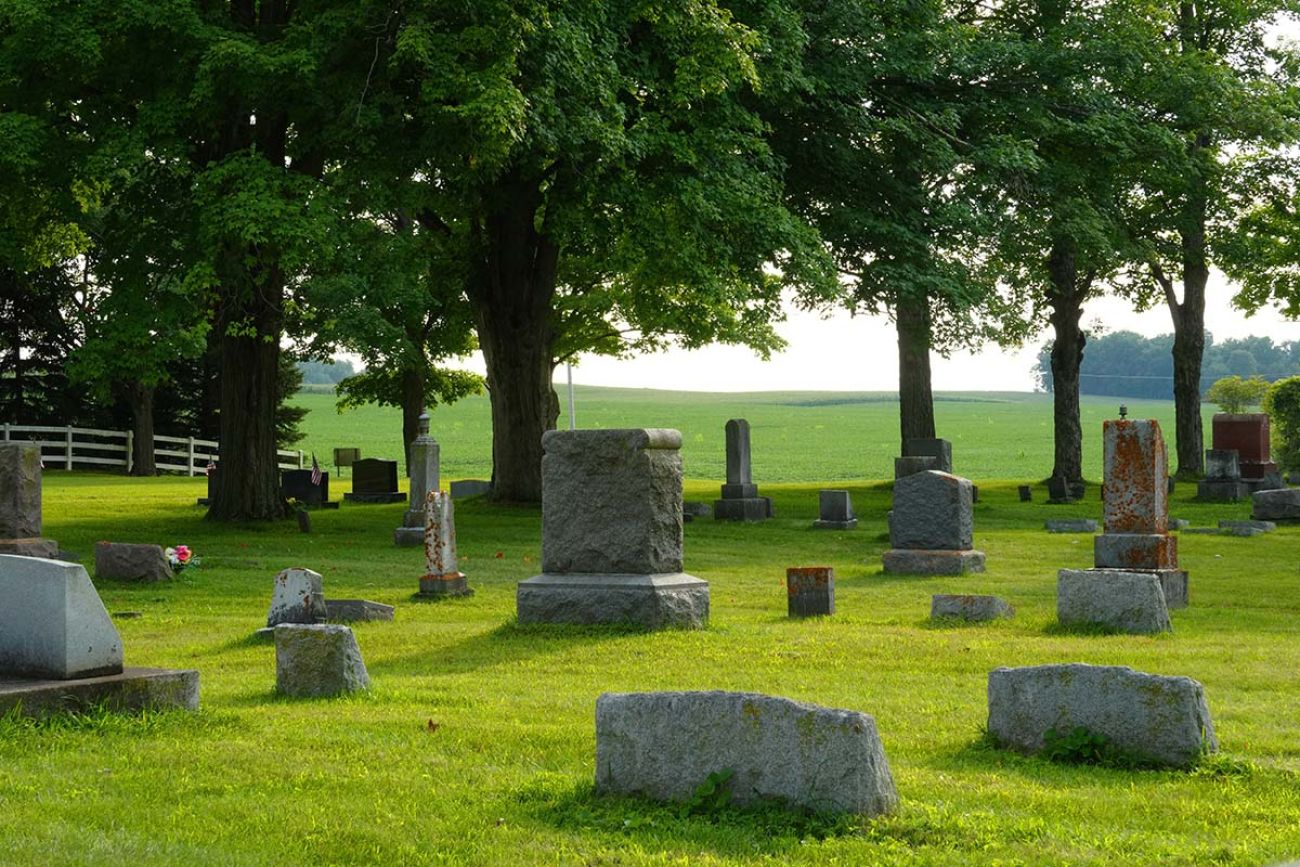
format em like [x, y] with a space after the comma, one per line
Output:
[504, 774]
[797, 436]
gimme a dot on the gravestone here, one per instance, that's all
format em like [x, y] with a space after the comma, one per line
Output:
[214, 483]
[976, 609]
[1150, 717]
[740, 500]
[298, 596]
[1119, 600]
[665, 745]
[1248, 435]
[1061, 491]
[60, 651]
[612, 533]
[442, 575]
[836, 511]
[297, 485]
[939, 449]
[130, 562]
[374, 481]
[1259, 526]
[1278, 505]
[931, 526]
[911, 465]
[20, 502]
[810, 591]
[356, 610]
[1026, 493]
[318, 659]
[470, 488]
[424, 472]
[1222, 482]
[1071, 525]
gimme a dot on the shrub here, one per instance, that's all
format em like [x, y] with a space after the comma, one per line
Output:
[1282, 403]
[1234, 394]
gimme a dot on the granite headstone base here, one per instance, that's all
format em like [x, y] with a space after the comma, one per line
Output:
[470, 488]
[657, 601]
[743, 509]
[134, 689]
[409, 537]
[914, 561]
[46, 549]
[1222, 490]
[1141, 551]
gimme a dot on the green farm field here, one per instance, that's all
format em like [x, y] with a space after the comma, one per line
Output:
[476, 743]
[797, 436]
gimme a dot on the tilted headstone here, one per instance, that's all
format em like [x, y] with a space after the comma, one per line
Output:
[740, 500]
[976, 609]
[931, 526]
[424, 473]
[298, 597]
[835, 511]
[52, 622]
[612, 533]
[20, 502]
[665, 745]
[442, 575]
[131, 562]
[939, 449]
[374, 481]
[315, 660]
[810, 591]
[1150, 717]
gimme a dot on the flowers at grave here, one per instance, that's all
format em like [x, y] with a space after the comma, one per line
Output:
[181, 557]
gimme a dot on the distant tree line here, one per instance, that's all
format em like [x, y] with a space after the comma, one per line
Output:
[317, 372]
[1125, 364]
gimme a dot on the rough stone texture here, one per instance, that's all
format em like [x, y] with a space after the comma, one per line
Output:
[908, 561]
[1071, 525]
[659, 601]
[1173, 582]
[32, 547]
[298, 597]
[664, 745]
[126, 561]
[52, 622]
[442, 575]
[612, 501]
[1282, 505]
[355, 610]
[134, 689]
[1158, 718]
[835, 511]
[1135, 551]
[932, 511]
[810, 591]
[1222, 464]
[318, 659]
[911, 465]
[470, 488]
[1124, 601]
[1222, 490]
[424, 479]
[973, 608]
[939, 449]
[1135, 496]
[20, 502]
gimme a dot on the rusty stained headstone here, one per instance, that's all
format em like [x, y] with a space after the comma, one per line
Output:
[442, 572]
[810, 590]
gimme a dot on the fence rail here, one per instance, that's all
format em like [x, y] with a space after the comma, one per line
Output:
[69, 447]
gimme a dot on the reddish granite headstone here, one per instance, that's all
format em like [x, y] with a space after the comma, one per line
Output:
[1248, 435]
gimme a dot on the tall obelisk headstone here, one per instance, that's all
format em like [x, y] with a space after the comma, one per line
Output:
[424, 472]
[20, 502]
[442, 573]
[740, 500]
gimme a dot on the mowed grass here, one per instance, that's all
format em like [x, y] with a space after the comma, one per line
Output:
[476, 744]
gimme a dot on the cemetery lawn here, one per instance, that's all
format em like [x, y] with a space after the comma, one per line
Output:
[476, 744]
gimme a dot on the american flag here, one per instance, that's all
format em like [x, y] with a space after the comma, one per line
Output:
[315, 470]
[207, 471]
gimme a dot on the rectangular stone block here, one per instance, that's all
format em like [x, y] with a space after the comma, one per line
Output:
[296, 485]
[664, 745]
[1136, 493]
[1173, 582]
[906, 561]
[939, 449]
[751, 509]
[1280, 505]
[1222, 465]
[810, 591]
[1222, 490]
[1132, 602]
[1260, 471]
[1135, 551]
[133, 689]
[52, 622]
[470, 488]
[932, 511]
[1245, 433]
[665, 601]
[739, 492]
[612, 501]
[975, 609]
[739, 465]
[1071, 525]
[906, 466]
[835, 510]
[20, 491]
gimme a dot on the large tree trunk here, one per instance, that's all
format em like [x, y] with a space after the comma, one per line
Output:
[142, 454]
[1066, 300]
[915, 399]
[512, 295]
[412, 407]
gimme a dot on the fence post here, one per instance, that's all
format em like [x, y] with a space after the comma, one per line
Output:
[6, 431]
[130, 450]
[67, 451]
[300, 464]
[189, 463]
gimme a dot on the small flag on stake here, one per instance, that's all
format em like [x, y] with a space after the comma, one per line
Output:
[315, 470]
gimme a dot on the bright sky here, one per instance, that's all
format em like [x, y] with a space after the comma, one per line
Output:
[843, 353]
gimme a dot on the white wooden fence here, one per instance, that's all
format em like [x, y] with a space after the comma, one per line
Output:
[66, 447]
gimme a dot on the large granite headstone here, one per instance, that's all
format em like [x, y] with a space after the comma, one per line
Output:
[297, 485]
[931, 526]
[740, 500]
[442, 575]
[612, 533]
[20, 502]
[424, 472]
[1248, 435]
[374, 481]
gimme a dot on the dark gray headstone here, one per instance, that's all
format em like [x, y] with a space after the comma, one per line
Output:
[835, 511]
[932, 511]
[739, 469]
[131, 562]
[20, 502]
[1026, 493]
[810, 591]
[939, 449]
[297, 485]
[374, 476]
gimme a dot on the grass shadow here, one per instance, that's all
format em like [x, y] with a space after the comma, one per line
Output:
[1094, 629]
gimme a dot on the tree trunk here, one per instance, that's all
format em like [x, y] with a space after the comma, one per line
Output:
[142, 454]
[512, 295]
[412, 407]
[915, 399]
[1066, 300]
[1189, 325]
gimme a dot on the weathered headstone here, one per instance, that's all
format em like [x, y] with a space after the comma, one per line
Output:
[939, 449]
[20, 502]
[374, 481]
[931, 526]
[810, 591]
[442, 575]
[1131, 602]
[740, 500]
[356, 610]
[911, 465]
[298, 597]
[1071, 525]
[1060, 490]
[1155, 718]
[424, 471]
[313, 660]
[665, 745]
[1222, 482]
[297, 485]
[1279, 505]
[131, 562]
[214, 484]
[835, 510]
[612, 533]
[977, 609]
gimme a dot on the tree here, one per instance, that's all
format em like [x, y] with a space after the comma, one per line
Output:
[1234, 394]
[1282, 403]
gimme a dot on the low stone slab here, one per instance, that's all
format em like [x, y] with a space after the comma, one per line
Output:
[299, 597]
[318, 659]
[1131, 602]
[1259, 526]
[53, 623]
[1224, 531]
[131, 562]
[470, 488]
[664, 745]
[1157, 718]
[1071, 525]
[133, 689]
[1179, 524]
[907, 561]
[744, 509]
[661, 601]
[409, 537]
[965, 607]
[1281, 505]
[355, 610]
